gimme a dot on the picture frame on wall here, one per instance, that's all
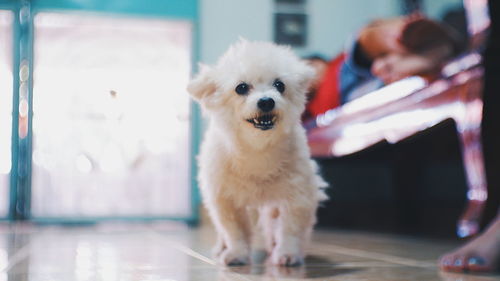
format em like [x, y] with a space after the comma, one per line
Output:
[290, 1]
[290, 29]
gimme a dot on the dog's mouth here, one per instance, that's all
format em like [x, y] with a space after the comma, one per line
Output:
[263, 122]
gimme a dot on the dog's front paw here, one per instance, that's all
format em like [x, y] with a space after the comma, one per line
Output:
[235, 257]
[219, 248]
[287, 259]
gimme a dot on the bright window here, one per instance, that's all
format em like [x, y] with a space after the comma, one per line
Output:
[6, 18]
[110, 116]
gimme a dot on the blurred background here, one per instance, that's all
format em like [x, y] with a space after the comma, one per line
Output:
[312, 27]
[96, 124]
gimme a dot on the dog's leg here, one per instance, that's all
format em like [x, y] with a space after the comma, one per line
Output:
[294, 227]
[232, 226]
[219, 247]
[256, 228]
[268, 223]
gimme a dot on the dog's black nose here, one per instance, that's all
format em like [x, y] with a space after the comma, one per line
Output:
[265, 104]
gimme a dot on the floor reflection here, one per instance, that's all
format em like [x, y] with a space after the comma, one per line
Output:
[315, 267]
[175, 252]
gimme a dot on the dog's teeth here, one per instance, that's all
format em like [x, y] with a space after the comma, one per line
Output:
[264, 122]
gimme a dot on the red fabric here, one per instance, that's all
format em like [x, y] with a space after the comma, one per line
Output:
[328, 92]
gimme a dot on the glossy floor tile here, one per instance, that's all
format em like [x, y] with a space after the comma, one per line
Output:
[172, 251]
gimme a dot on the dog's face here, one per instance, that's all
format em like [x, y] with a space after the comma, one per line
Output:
[255, 86]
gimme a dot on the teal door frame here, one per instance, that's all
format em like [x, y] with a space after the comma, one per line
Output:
[24, 11]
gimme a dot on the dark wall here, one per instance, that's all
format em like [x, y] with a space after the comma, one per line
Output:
[416, 186]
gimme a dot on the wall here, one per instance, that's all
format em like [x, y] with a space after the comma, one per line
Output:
[436, 8]
[330, 23]
[223, 21]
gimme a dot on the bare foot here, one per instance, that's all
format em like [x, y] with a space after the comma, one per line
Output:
[479, 255]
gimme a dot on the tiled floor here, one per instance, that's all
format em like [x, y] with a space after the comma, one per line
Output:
[168, 252]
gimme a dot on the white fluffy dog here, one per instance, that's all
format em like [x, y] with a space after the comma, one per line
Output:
[255, 171]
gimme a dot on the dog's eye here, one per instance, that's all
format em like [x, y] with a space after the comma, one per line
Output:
[280, 86]
[242, 89]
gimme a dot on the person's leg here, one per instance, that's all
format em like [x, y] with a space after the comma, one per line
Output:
[481, 254]
[491, 113]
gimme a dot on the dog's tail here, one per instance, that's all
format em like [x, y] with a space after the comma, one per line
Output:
[322, 186]
[320, 183]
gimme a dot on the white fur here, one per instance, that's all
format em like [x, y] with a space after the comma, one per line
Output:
[257, 182]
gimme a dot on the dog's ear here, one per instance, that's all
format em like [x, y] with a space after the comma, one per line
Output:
[203, 84]
[306, 75]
